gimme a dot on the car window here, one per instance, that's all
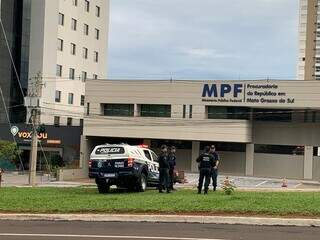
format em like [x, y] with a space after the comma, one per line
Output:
[147, 154]
[154, 156]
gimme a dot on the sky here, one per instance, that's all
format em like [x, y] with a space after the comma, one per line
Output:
[203, 39]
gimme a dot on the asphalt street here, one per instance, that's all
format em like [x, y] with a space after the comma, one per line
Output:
[34, 230]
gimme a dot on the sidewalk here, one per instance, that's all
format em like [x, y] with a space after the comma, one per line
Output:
[259, 221]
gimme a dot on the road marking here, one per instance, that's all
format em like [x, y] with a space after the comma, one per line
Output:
[261, 183]
[99, 236]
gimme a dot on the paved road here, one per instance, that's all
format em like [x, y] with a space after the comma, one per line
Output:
[36, 230]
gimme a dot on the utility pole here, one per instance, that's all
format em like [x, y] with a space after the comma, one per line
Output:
[32, 103]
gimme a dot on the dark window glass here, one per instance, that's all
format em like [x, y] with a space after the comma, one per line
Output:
[215, 112]
[82, 100]
[58, 96]
[97, 11]
[81, 122]
[279, 149]
[88, 108]
[184, 111]
[147, 154]
[154, 110]
[273, 115]
[190, 111]
[70, 98]
[86, 5]
[56, 121]
[121, 110]
[61, 19]
[225, 147]
[69, 121]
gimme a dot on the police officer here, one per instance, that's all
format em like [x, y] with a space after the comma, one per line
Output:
[164, 170]
[206, 162]
[172, 164]
[214, 173]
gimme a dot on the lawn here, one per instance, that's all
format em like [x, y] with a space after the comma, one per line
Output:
[87, 200]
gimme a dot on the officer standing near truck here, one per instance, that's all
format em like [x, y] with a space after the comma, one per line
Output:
[214, 173]
[164, 170]
[172, 164]
[206, 162]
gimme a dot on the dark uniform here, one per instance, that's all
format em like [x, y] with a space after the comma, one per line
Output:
[172, 164]
[164, 172]
[206, 162]
[214, 173]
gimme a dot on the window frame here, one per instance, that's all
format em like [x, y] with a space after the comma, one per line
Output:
[74, 24]
[57, 97]
[60, 44]
[59, 70]
[70, 98]
[61, 19]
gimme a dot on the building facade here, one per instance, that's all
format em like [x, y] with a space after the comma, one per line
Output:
[309, 40]
[68, 45]
[260, 128]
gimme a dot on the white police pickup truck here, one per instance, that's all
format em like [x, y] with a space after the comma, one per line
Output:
[123, 165]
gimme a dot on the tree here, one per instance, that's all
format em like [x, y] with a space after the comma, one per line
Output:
[8, 154]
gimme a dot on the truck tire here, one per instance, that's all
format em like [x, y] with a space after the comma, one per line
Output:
[103, 187]
[142, 183]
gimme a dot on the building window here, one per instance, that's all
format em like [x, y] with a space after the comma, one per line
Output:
[279, 149]
[60, 44]
[95, 76]
[95, 56]
[70, 98]
[85, 53]
[59, 70]
[73, 24]
[81, 122]
[272, 115]
[75, 2]
[190, 111]
[88, 109]
[83, 76]
[215, 112]
[73, 49]
[155, 110]
[69, 121]
[56, 121]
[71, 73]
[120, 110]
[82, 100]
[61, 19]
[86, 5]
[96, 33]
[58, 96]
[86, 29]
[184, 111]
[97, 11]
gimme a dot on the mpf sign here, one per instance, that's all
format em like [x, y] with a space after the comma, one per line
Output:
[222, 90]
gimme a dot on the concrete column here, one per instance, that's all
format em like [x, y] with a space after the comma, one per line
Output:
[136, 111]
[308, 162]
[194, 155]
[249, 159]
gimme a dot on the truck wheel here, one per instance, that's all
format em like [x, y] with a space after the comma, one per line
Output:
[103, 187]
[142, 183]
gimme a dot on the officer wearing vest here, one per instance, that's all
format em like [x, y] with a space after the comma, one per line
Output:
[214, 173]
[172, 164]
[164, 170]
[206, 162]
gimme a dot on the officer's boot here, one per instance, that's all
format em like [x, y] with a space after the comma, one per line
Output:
[206, 191]
[199, 190]
[214, 188]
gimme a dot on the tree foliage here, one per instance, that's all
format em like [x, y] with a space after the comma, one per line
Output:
[8, 151]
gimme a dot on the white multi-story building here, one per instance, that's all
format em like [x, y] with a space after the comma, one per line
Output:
[309, 40]
[68, 45]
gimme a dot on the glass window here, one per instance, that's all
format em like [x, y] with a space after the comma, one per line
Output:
[155, 110]
[75, 2]
[69, 121]
[95, 56]
[70, 98]
[154, 156]
[86, 5]
[61, 19]
[85, 53]
[272, 115]
[73, 24]
[58, 96]
[82, 100]
[81, 122]
[73, 49]
[96, 33]
[86, 29]
[56, 121]
[95, 76]
[60, 44]
[215, 112]
[190, 111]
[147, 154]
[97, 11]
[59, 70]
[71, 73]
[279, 149]
[120, 110]
[184, 111]
[83, 76]
[88, 109]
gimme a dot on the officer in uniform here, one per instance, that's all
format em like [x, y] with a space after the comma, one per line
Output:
[206, 162]
[172, 164]
[164, 170]
[214, 173]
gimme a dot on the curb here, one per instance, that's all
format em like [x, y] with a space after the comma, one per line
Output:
[258, 221]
